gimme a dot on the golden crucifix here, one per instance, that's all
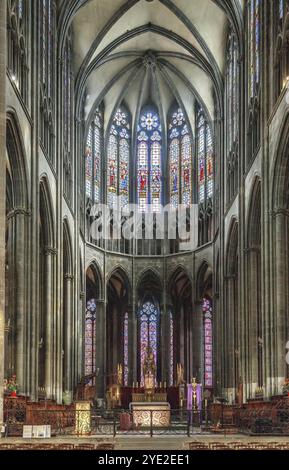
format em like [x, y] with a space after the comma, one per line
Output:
[194, 390]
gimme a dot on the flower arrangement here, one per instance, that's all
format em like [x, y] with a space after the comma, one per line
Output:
[259, 392]
[12, 386]
[285, 387]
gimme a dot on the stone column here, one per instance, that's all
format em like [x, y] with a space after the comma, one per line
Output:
[134, 340]
[67, 334]
[252, 327]
[164, 344]
[100, 349]
[131, 348]
[115, 319]
[49, 323]
[81, 336]
[19, 293]
[170, 311]
[2, 192]
[230, 348]
[182, 334]
[280, 300]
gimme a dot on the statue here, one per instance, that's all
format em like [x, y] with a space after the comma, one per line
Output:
[240, 392]
[149, 373]
[180, 374]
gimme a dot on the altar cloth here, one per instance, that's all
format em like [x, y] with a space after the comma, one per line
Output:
[145, 414]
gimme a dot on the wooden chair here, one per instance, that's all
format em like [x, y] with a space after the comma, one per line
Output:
[282, 446]
[6, 446]
[105, 446]
[198, 446]
[219, 446]
[44, 446]
[84, 447]
[239, 446]
[64, 446]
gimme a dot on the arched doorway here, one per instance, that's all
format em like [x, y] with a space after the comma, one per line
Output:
[254, 321]
[17, 338]
[46, 293]
[68, 345]
[231, 337]
[150, 323]
[181, 336]
[118, 331]
[94, 338]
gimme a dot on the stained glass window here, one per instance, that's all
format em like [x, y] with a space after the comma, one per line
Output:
[209, 162]
[171, 349]
[125, 350]
[89, 338]
[112, 168]
[281, 9]
[201, 155]
[148, 332]
[205, 157]
[180, 159]
[208, 343]
[254, 46]
[93, 158]
[149, 156]
[118, 154]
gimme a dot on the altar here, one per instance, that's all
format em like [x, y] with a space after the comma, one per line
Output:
[150, 408]
[146, 414]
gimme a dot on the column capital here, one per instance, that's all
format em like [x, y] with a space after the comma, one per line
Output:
[251, 249]
[18, 211]
[69, 277]
[49, 250]
[230, 276]
[277, 212]
[82, 294]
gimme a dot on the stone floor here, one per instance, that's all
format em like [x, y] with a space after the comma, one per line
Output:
[147, 443]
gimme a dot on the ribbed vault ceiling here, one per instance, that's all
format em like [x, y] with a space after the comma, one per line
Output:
[136, 51]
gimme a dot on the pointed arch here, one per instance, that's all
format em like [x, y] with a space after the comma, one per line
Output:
[46, 212]
[119, 324]
[67, 249]
[231, 332]
[17, 161]
[204, 281]
[16, 254]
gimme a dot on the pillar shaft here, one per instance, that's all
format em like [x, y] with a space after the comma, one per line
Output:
[2, 192]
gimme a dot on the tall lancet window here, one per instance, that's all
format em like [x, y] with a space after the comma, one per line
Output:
[47, 52]
[118, 153]
[180, 159]
[149, 160]
[18, 22]
[93, 158]
[254, 53]
[208, 343]
[205, 154]
[148, 332]
[254, 46]
[232, 115]
[281, 52]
